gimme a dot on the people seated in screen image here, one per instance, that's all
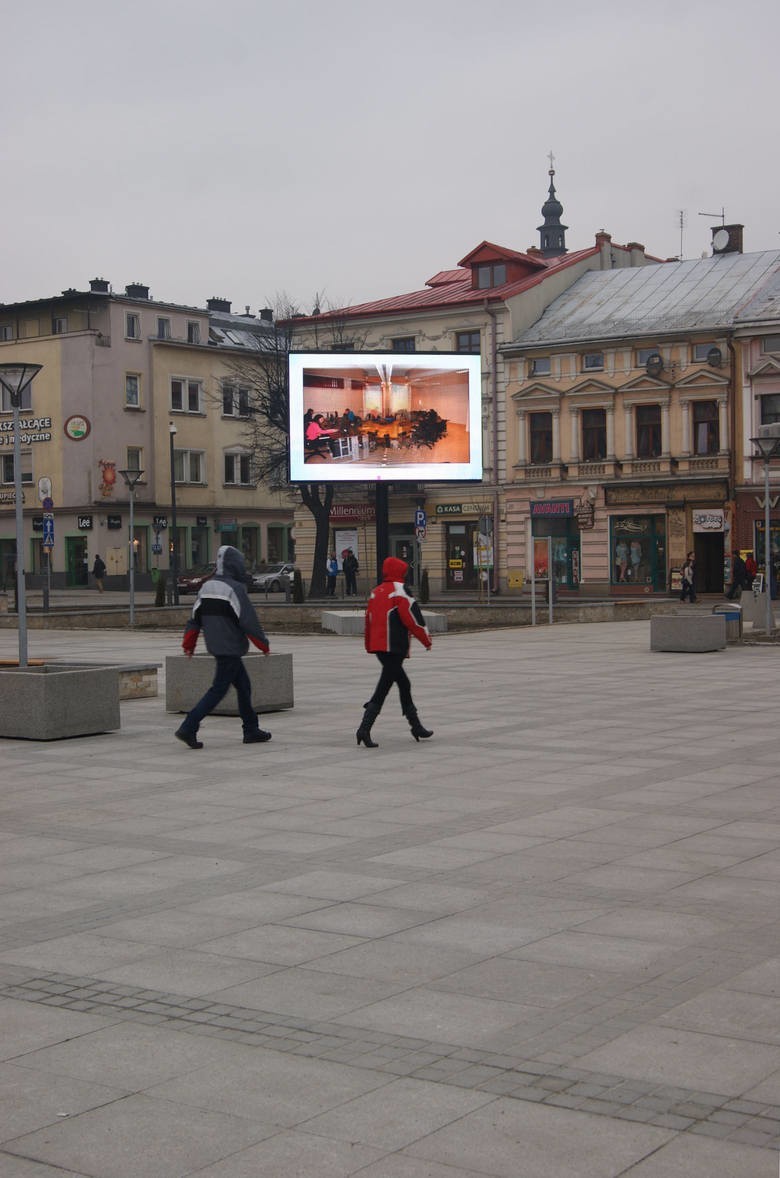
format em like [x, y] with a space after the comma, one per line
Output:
[317, 438]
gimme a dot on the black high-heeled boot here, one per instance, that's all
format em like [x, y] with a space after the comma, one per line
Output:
[363, 734]
[416, 726]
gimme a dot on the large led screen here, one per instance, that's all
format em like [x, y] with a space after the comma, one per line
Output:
[358, 417]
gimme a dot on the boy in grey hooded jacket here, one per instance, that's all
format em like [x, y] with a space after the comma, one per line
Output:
[224, 613]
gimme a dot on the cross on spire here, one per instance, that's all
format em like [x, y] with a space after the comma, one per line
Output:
[551, 158]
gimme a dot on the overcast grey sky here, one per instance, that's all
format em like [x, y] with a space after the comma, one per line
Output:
[246, 148]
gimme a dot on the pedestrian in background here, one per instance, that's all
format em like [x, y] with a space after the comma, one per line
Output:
[333, 572]
[229, 622]
[688, 585]
[99, 572]
[392, 617]
[350, 566]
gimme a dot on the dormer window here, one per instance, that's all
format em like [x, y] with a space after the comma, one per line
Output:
[491, 275]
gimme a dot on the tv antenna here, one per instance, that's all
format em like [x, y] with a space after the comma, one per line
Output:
[682, 218]
[721, 215]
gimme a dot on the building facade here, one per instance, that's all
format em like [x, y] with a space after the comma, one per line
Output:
[132, 383]
[628, 407]
[491, 297]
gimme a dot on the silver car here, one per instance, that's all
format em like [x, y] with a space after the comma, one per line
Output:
[275, 577]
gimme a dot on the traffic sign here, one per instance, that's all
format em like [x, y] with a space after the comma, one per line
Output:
[420, 519]
[48, 503]
[420, 533]
[48, 530]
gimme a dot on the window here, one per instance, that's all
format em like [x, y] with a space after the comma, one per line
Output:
[701, 351]
[770, 343]
[188, 466]
[193, 332]
[642, 356]
[132, 390]
[59, 325]
[163, 329]
[770, 408]
[491, 275]
[132, 325]
[594, 435]
[235, 401]
[467, 341]
[404, 344]
[7, 468]
[648, 431]
[541, 437]
[135, 456]
[592, 361]
[238, 469]
[25, 402]
[540, 366]
[185, 396]
[6, 331]
[706, 434]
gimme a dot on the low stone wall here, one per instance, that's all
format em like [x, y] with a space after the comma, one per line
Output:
[271, 677]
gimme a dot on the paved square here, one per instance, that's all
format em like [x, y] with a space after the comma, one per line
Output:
[543, 943]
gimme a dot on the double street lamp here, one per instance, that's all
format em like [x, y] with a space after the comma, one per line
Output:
[174, 563]
[132, 478]
[768, 446]
[15, 379]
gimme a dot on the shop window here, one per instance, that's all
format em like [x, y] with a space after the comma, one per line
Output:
[594, 435]
[648, 431]
[541, 437]
[706, 433]
[638, 547]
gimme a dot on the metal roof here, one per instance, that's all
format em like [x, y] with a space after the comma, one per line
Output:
[703, 295]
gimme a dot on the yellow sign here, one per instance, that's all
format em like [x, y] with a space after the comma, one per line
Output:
[455, 564]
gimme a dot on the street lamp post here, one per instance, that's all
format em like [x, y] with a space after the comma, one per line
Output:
[131, 477]
[15, 380]
[174, 562]
[768, 445]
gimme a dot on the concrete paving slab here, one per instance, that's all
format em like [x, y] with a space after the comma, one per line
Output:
[533, 910]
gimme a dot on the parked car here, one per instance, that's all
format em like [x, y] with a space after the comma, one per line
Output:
[191, 580]
[274, 578]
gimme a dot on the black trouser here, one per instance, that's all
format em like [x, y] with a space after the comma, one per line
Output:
[392, 672]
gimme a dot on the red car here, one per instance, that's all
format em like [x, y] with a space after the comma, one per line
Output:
[191, 580]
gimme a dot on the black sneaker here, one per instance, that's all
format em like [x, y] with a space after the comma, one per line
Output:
[258, 737]
[188, 739]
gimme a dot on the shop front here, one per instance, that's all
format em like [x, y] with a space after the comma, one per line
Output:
[556, 519]
[638, 553]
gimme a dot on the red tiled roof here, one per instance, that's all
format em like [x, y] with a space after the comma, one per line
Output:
[453, 287]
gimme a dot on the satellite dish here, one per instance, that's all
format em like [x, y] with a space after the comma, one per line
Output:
[720, 240]
[654, 365]
[714, 357]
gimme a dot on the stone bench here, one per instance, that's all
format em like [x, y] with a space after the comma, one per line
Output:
[690, 633]
[187, 679]
[353, 621]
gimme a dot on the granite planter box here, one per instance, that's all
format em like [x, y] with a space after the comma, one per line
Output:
[688, 633]
[187, 679]
[51, 701]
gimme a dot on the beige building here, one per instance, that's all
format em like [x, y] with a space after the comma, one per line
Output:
[626, 409]
[491, 297]
[121, 373]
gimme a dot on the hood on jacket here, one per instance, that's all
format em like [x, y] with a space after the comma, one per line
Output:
[230, 563]
[394, 569]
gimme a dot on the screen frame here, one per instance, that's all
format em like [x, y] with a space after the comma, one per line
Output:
[364, 472]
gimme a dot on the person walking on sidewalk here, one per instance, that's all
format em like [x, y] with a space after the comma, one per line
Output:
[392, 617]
[99, 572]
[229, 622]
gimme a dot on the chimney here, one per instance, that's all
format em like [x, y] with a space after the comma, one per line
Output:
[727, 239]
[218, 305]
[137, 290]
[636, 252]
[267, 314]
[98, 285]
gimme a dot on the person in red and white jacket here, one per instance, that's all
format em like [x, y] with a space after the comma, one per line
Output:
[224, 613]
[392, 617]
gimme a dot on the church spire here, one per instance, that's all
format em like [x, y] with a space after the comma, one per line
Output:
[552, 232]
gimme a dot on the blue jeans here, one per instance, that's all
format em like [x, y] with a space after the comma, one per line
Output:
[230, 672]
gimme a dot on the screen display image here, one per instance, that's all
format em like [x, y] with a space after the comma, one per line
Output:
[378, 416]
